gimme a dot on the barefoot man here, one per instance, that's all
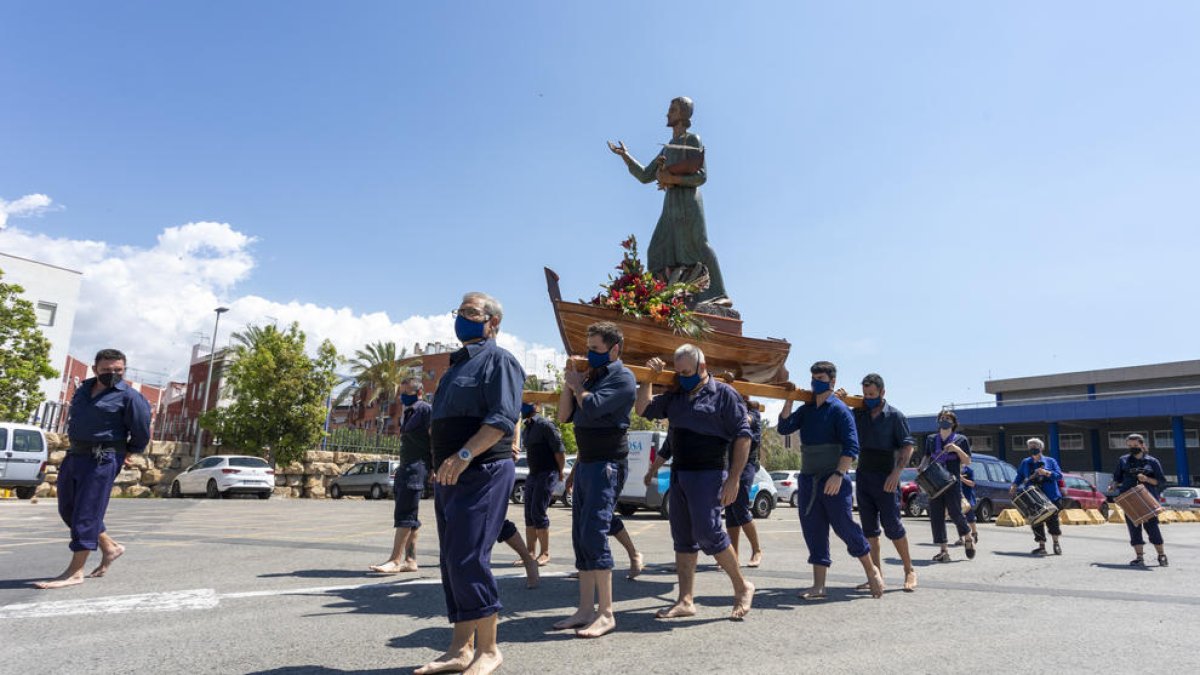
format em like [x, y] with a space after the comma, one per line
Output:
[108, 419]
[546, 456]
[599, 405]
[738, 515]
[413, 474]
[475, 411]
[885, 447]
[706, 416]
[828, 445]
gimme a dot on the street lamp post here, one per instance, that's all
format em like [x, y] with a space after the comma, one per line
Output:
[212, 355]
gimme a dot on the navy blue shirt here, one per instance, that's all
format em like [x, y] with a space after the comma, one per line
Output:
[755, 419]
[483, 384]
[541, 441]
[830, 422]
[1048, 484]
[880, 436]
[120, 415]
[702, 424]
[1128, 468]
[613, 390]
[968, 491]
[414, 433]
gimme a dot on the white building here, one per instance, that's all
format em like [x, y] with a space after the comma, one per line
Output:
[54, 292]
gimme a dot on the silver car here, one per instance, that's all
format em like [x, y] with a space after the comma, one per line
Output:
[785, 485]
[373, 480]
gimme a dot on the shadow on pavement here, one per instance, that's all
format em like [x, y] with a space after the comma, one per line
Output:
[1120, 566]
[337, 574]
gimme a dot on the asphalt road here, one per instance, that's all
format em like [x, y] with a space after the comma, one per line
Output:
[246, 586]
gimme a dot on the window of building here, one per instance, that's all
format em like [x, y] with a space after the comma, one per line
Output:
[1166, 439]
[1070, 441]
[1019, 442]
[46, 311]
[1116, 439]
[980, 443]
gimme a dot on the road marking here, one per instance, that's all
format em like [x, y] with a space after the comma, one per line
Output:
[196, 599]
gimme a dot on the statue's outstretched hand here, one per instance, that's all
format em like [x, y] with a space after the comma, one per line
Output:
[618, 149]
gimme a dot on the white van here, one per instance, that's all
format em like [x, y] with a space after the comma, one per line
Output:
[643, 448]
[23, 457]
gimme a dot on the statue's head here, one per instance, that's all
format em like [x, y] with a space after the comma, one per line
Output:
[680, 111]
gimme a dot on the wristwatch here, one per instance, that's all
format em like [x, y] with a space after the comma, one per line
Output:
[840, 473]
[464, 455]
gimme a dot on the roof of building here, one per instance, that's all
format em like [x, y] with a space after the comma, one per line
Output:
[1156, 371]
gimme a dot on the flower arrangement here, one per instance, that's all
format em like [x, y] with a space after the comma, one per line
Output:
[638, 293]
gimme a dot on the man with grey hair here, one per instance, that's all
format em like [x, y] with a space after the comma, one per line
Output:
[410, 478]
[1139, 468]
[706, 417]
[1043, 473]
[680, 239]
[474, 415]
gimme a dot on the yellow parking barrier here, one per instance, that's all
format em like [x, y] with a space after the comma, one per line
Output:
[1074, 517]
[1186, 516]
[6, 493]
[1167, 517]
[1116, 514]
[1096, 517]
[1011, 518]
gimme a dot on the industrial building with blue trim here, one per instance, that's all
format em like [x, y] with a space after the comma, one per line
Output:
[1084, 417]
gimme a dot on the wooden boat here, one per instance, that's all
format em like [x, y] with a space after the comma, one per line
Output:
[753, 360]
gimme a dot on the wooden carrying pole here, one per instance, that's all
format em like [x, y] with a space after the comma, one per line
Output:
[667, 378]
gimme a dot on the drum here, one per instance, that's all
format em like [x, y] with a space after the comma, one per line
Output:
[1035, 505]
[935, 479]
[1138, 504]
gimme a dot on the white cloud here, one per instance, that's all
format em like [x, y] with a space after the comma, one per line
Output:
[153, 302]
[29, 205]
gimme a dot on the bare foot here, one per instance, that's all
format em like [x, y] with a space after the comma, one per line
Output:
[106, 559]
[543, 560]
[755, 559]
[875, 583]
[447, 663]
[677, 610]
[813, 593]
[61, 581]
[532, 576]
[485, 663]
[635, 566]
[742, 602]
[393, 567]
[603, 624]
[579, 619]
[910, 581]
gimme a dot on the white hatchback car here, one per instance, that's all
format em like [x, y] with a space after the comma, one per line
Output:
[23, 457]
[224, 476]
[785, 485]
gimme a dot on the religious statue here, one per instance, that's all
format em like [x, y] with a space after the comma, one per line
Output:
[679, 249]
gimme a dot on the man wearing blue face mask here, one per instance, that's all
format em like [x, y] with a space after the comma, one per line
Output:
[1041, 472]
[885, 447]
[706, 417]
[474, 414]
[598, 404]
[109, 421]
[828, 446]
[409, 485]
[543, 446]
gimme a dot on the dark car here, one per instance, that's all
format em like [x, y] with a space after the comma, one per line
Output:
[992, 480]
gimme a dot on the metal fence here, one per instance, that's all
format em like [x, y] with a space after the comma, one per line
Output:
[361, 440]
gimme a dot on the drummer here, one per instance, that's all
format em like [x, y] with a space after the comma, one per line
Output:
[1138, 467]
[952, 449]
[1043, 473]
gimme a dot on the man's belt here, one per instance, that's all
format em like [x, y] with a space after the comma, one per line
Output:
[95, 450]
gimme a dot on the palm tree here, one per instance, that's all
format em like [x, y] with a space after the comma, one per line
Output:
[248, 337]
[380, 369]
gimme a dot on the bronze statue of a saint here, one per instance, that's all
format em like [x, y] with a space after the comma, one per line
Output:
[679, 249]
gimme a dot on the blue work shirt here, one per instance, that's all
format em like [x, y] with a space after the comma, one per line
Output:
[716, 409]
[830, 422]
[482, 381]
[755, 420]
[542, 442]
[119, 415]
[612, 390]
[1128, 467]
[880, 436]
[968, 491]
[414, 433]
[1049, 484]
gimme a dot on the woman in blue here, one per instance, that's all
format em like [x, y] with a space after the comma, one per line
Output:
[706, 417]
[1138, 467]
[474, 414]
[952, 449]
[1044, 473]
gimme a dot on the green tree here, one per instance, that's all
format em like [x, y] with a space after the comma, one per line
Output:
[24, 355]
[278, 393]
[380, 369]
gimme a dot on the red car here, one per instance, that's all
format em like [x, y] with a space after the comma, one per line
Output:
[1079, 494]
[908, 493]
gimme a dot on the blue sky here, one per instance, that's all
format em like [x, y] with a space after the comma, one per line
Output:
[934, 191]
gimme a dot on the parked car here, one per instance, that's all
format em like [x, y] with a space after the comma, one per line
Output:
[786, 483]
[909, 504]
[518, 492]
[1078, 493]
[374, 480]
[560, 493]
[763, 495]
[224, 476]
[23, 457]
[1181, 498]
[992, 480]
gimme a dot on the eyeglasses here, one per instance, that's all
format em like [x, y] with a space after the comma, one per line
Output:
[472, 313]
